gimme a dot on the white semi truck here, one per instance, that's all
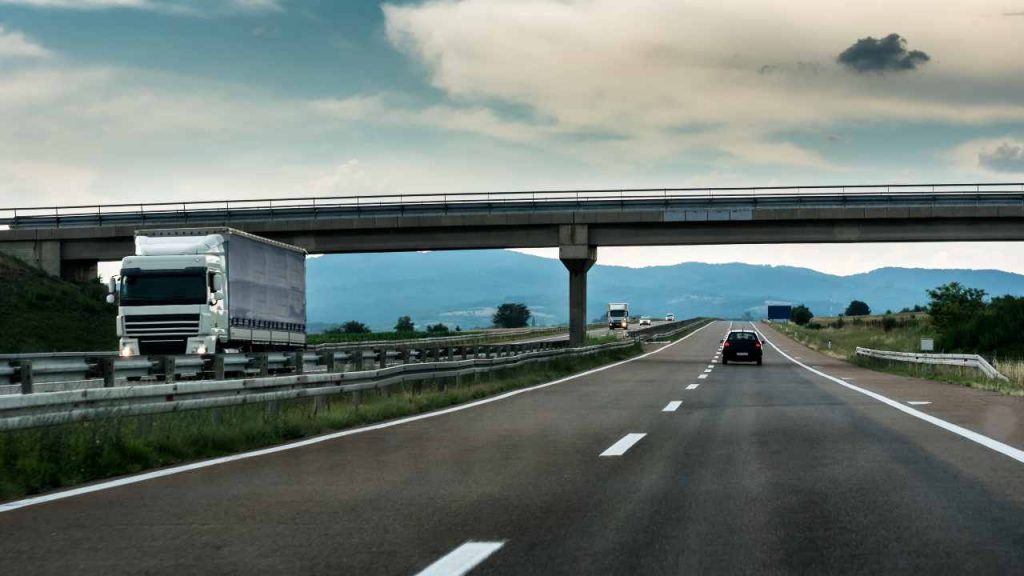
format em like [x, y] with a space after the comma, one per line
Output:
[204, 290]
[618, 316]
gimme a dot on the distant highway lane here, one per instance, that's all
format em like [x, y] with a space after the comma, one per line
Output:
[668, 464]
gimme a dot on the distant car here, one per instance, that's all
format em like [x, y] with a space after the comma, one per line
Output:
[645, 320]
[742, 346]
[670, 317]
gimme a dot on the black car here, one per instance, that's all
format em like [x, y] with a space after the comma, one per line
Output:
[742, 346]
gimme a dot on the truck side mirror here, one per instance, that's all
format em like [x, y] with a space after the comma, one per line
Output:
[219, 295]
[218, 284]
[111, 286]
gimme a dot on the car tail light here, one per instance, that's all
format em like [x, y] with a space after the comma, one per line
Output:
[726, 344]
[757, 345]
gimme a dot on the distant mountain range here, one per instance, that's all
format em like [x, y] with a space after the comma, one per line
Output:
[463, 288]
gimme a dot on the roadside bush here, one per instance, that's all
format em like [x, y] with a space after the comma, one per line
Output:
[888, 322]
[801, 315]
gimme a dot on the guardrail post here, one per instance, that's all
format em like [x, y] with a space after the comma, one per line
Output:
[107, 371]
[25, 376]
[330, 360]
[406, 354]
[451, 352]
[356, 357]
[383, 353]
[465, 352]
[263, 364]
[298, 361]
[218, 367]
[167, 367]
[436, 353]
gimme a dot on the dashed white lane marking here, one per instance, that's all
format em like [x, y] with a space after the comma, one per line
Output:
[624, 443]
[707, 371]
[462, 559]
[702, 376]
[692, 386]
[711, 365]
[672, 406]
[110, 484]
[918, 402]
[992, 444]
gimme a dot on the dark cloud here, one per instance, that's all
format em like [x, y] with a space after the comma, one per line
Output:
[1007, 157]
[886, 55]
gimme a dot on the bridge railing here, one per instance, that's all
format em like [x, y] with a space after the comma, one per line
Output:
[310, 206]
[962, 360]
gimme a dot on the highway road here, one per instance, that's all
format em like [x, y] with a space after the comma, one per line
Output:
[667, 464]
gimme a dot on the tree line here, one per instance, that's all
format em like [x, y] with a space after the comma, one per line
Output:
[965, 320]
[508, 315]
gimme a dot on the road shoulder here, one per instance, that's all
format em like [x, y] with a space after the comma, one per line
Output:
[995, 415]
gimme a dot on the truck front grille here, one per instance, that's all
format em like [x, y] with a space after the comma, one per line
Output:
[143, 325]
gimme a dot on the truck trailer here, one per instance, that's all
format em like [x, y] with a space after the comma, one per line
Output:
[204, 290]
[618, 316]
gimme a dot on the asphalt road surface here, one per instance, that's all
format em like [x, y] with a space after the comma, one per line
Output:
[668, 464]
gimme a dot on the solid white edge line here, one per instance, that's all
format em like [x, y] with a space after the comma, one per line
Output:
[623, 444]
[672, 406]
[462, 559]
[918, 402]
[108, 484]
[971, 435]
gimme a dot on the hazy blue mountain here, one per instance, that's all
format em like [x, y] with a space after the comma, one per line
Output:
[463, 287]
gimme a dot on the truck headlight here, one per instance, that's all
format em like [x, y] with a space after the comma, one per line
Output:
[126, 352]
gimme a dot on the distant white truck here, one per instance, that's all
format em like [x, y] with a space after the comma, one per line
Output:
[618, 316]
[203, 290]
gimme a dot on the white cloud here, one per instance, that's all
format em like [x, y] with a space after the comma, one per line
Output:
[14, 44]
[680, 76]
[990, 157]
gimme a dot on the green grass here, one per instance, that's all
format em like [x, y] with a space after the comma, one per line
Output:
[845, 340]
[40, 313]
[41, 459]
[962, 376]
[907, 338]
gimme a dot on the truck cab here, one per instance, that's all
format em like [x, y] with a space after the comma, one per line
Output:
[171, 304]
[618, 316]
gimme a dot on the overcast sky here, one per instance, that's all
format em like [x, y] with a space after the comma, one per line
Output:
[126, 100]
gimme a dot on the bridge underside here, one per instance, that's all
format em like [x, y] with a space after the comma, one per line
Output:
[72, 252]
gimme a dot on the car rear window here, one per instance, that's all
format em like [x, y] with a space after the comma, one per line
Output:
[742, 336]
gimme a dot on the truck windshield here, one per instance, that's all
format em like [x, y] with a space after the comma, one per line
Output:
[617, 313]
[163, 287]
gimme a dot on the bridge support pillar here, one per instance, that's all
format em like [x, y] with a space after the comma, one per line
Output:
[578, 256]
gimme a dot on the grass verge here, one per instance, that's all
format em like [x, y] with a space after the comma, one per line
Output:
[844, 342]
[42, 459]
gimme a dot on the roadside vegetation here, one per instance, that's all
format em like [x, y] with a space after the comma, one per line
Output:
[42, 459]
[959, 319]
[40, 313]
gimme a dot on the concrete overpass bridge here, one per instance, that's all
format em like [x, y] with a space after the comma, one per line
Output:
[70, 240]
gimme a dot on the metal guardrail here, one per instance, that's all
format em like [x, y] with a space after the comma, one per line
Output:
[313, 207]
[53, 371]
[964, 360]
[339, 372]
